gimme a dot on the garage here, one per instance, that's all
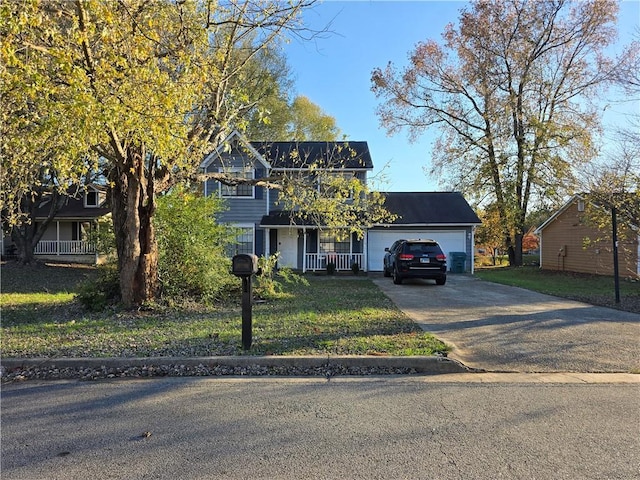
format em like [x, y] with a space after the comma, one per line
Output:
[445, 217]
[378, 240]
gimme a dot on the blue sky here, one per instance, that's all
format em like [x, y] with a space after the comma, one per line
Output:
[334, 72]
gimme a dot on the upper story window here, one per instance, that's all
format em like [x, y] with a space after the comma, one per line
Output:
[92, 198]
[336, 184]
[241, 190]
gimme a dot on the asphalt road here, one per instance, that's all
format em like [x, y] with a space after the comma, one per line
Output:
[501, 328]
[406, 427]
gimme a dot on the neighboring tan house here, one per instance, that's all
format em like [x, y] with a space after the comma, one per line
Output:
[266, 228]
[570, 242]
[67, 236]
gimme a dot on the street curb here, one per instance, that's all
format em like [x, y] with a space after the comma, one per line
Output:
[420, 364]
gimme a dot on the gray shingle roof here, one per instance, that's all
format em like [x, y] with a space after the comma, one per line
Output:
[340, 155]
[413, 208]
[430, 208]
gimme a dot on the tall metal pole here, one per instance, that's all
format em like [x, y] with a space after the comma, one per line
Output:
[616, 273]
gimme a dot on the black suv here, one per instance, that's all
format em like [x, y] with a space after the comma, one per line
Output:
[418, 259]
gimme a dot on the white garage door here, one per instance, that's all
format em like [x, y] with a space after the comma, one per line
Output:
[450, 241]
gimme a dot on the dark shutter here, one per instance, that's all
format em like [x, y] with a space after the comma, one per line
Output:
[259, 190]
[259, 240]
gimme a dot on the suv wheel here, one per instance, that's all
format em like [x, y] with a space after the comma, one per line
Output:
[397, 279]
[386, 272]
[441, 280]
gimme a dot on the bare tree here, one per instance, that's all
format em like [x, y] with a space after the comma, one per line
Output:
[513, 91]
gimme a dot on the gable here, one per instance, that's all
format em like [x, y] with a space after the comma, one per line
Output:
[233, 147]
[430, 208]
[573, 204]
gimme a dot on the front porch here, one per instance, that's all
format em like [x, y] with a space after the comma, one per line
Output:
[310, 249]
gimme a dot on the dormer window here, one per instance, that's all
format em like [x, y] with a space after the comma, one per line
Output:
[91, 198]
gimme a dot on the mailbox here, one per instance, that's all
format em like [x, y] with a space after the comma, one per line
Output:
[244, 265]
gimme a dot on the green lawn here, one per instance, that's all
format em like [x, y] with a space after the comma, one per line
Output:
[595, 289]
[328, 316]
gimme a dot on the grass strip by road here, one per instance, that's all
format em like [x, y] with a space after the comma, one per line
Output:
[328, 316]
[593, 289]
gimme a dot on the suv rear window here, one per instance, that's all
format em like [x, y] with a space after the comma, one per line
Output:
[422, 248]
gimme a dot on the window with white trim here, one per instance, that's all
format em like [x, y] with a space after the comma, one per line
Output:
[91, 198]
[241, 190]
[244, 240]
[329, 242]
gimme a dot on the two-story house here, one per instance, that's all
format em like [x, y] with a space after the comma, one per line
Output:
[257, 211]
[266, 227]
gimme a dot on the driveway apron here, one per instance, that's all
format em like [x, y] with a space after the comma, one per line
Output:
[500, 328]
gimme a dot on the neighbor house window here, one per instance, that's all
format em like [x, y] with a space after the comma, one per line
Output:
[329, 242]
[91, 198]
[241, 190]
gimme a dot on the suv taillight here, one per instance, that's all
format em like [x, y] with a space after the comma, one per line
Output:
[405, 256]
[441, 256]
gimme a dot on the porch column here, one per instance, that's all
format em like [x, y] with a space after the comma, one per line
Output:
[57, 237]
[267, 234]
[304, 249]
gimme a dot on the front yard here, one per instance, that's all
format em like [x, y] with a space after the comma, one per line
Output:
[593, 289]
[339, 316]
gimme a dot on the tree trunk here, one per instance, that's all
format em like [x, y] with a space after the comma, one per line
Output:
[22, 237]
[518, 250]
[132, 207]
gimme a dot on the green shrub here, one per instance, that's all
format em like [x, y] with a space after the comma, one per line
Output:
[270, 282]
[192, 261]
[331, 268]
[95, 295]
[355, 268]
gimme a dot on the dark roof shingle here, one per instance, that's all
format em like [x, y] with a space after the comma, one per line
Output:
[339, 155]
[430, 208]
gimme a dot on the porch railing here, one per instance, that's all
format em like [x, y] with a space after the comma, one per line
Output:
[342, 261]
[64, 247]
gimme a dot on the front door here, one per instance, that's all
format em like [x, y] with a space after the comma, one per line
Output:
[288, 248]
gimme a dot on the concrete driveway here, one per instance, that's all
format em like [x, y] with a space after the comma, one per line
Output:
[501, 328]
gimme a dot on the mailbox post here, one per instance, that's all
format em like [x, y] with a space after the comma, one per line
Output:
[245, 265]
